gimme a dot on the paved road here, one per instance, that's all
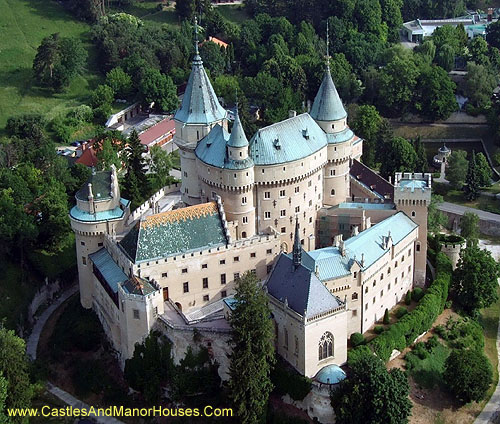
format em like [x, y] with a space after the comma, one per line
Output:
[32, 343]
[460, 210]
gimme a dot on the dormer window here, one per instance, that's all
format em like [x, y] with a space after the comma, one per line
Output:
[277, 144]
[305, 134]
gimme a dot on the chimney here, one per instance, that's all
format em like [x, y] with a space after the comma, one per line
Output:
[368, 222]
[91, 199]
[292, 113]
[342, 248]
[362, 259]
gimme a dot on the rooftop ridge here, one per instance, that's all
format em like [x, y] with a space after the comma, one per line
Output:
[182, 214]
[281, 122]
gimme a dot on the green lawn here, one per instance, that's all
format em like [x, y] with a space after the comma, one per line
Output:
[233, 13]
[23, 25]
[428, 372]
[441, 131]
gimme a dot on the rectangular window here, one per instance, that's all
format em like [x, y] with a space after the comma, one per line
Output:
[381, 293]
[223, 294]
[100, 244]
[82, 243]
[185, 287]
[269, 251]
[309, 184]
[267, 215]
[409, 252]
[373, 300]
[155, 310]
[283, 213]
[366, 289]
[205, 283]
[204, 266]
[253, 255]
[267, 195]
[297, 209]
[282, 193]
[388, 287]
[236, 276]
[185, 174]
[206, 298]
[164, 275]
[245, 220]
[184, 270]
[409, 269]
[223, 278]
[366, 306]
[222, 262]
[283, 230]
[297, 189]
[236, 259]
[332, 172]
[136, 313]
[310, 220]
[355, 274]
[244, 200]
[84, 260]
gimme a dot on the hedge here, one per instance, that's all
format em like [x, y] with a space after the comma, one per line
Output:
[416, 322]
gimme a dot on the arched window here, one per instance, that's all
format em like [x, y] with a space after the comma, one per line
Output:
[325, 347]
[355, 296]
[413, 213]
[332, 192]
[244, 234]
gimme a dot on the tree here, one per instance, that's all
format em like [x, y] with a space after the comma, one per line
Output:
[120, 82]
[401, 157]
[435, 218]
[493, 34]
[468, 375]
[3, 397]
[472, 180]
[484, 170]
[479, 84]
[436, 93]
[14, 366]
[159, 89]
[136, 181]
[214, 58]
[366, 125]
[185, 8]
[469, 227]
[478, 51]
[457, 169]
[475, 280]
[102, 95]
[226, 86]
[372, 394]
[160, 164]
[445, 57]
[391, 13]
[387, 319]
[252, 351]
[421, 164]
[107, 155]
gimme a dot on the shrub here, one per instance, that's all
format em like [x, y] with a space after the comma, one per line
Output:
[379, 329]
[431, 343]
[82, 113]
[440, 330]
[287, 380]
[417, 294]
[357, 339]
[401, 312]
[420, 350]
[408, 297]
[387, 319]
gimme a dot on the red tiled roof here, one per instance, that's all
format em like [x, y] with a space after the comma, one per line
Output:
[371, 179]
[88, 157]
[156, 131]
[218, 42]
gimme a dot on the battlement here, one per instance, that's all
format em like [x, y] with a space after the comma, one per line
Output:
[411, 181]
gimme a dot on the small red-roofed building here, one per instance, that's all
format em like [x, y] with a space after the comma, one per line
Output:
[159, 134]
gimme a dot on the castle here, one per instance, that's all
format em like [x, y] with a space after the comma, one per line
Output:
[333, 242]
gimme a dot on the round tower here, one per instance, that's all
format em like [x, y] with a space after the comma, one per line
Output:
[99, 210]
[200, 111]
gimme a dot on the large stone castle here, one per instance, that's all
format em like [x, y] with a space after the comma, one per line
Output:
[333, 242]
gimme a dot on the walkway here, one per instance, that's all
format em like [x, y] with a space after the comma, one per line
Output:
[32, 343]
[460, 210]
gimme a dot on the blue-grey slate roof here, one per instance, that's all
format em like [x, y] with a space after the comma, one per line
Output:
[289, 140]
[344, 135]
[412, 185]
[304, 292]
[327, 105]
[199, 104]
[111, 272]
[237, 137]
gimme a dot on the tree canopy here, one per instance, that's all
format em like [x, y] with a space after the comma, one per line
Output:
[469, 227]
[457, 168]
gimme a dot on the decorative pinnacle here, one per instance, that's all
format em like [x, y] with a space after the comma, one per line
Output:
[196, 34]
[327, 45]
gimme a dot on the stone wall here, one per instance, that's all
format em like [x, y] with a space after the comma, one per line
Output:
[44, 295]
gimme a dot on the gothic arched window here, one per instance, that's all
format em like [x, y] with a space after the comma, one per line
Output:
[325, 348]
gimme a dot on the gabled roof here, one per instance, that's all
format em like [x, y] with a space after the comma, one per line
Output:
[88, 157]
[161, 129]
[199, 104]
[372, 180]
[327, 105]
[301, 288]
[292, 139]
[175, 232]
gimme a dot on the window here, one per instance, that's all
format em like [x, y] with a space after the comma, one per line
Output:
[223, 278]
[332, 172]
[136, 313]
[236, 259]
[381, 293]
[310, 220]
[267, 215]
[355, 274]
[214, 194]
[204, 266]
[354, 296]
[354, 312]
[185, 287]
[402, 275]
[84, 260]
[297, 189]
[366, 306]
[283, 213]
[206, 298]
[236, 276]
[184, 270]
[374, 282]
[222, 262]
[325, 346]
[396, 280]
[244, 234]
[418, 247]
[164, 275]
[319, 177]
[100, 244]
[366, 289]
[373, 300]
[309, 184]
[388, 270]
[244, 200]
[283, 230]
[297, 209]
[282, 193]
[409, 269]
[396, 264]
[403, 258]
[381, 277]
[253, 254]
[205, 283]
[332, 192]
[245, 220]
[82, 243]
[267, 195]
[296, 345]
[185, 174]
[388, 287]
[310, 202]
[409, 252]
[269, 251]
[413, 214]
[286, 338]
[223, 294]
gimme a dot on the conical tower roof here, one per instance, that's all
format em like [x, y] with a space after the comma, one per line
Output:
[327, 105]
[199, 104]
[238, 137]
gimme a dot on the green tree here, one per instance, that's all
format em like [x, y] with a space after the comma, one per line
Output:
[136, 181]
[475, 280]
[120, 82]
[160, 164]
[252, 351]
[401, 157]
[372, 394]
[421, 164]
[387, 319]
[478, 51]
[469, 227]
[3, 397]
[107, 155]
[493, 34]
[391, 13]
[185, 8]
[484, 170]
[468, 375]
[472, 180]
[214, 58]
[159, 89]
[436, 93]
[479, 84]
[226, 86]
[102, 95]
[445, 57]
[457, 168]
[435, 218]
[366, 125]
[14, 366]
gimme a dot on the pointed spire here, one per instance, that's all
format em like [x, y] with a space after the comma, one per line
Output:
[196, 35]
[237, 137]
[327, 47]
[297, 248]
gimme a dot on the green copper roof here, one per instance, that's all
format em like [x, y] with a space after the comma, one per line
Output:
[175, 232]
[292, 139]
[327, 105]
[199, 104]
[101, 187]
[109, 270]
[138, 286]
[212, 150]
[340, 137]
[237, 137]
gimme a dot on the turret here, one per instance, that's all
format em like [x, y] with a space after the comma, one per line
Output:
[237, 145]
[297, 248]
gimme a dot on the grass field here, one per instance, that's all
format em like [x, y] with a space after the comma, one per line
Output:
[23, 25]
[233, 13]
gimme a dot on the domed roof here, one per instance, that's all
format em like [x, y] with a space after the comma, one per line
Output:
[444, 149]
[331, 374]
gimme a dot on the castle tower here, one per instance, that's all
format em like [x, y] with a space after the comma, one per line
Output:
[200, 111]
[99, 210]
[238, 175]
[412, 195]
